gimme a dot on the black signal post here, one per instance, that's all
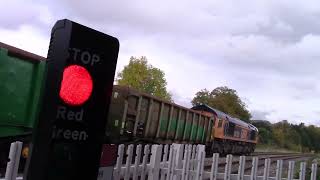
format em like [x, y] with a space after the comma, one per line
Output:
[79, 79]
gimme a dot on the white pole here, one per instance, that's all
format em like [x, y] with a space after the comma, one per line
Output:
[137, 162]
[314, 171]
[267, 163]
[17, 160]
[302, 171]
[178, 159]
[228, 166]
[117, 169]
[13, 164]
[127, 171]
[279, 169]
[242, 164]
[254, 169]
[200, 160]
[214, 166]
[156, 151]
[290, 170]
[145, 161]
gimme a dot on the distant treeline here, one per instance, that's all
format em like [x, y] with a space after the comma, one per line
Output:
[289, 136]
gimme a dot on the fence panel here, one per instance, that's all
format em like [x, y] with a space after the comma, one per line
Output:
[186, 162]
[178, 162]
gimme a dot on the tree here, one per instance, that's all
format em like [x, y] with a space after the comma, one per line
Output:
[223, 99]
[140, 75]
[265, 131]
[265, 136]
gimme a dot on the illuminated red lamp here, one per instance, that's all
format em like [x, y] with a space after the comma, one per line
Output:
[76, 85]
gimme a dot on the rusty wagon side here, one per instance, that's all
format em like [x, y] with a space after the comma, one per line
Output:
[140, 117]
[21, 76]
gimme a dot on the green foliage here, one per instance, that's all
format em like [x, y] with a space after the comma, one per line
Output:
[289, 136]
[225, 100]
[265, 132]
[140, 75]
[265, 136]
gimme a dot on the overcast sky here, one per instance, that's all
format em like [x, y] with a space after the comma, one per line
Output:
[268, 51]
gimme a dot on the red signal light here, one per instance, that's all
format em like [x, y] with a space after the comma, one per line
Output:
[76, 85]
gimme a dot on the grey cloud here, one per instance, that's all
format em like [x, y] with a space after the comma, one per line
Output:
[266, 50]
[317, 112]
[178, 99]
[304, 85]
[16, 13]
[260, 115]
[285, 21]
[238, 36]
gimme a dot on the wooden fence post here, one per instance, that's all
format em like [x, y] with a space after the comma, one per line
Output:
[117, 169]
[279, 170]
[242, 164]
[127, 171]
[254, 168]
[192, 163]
[144, 169]
[136, 162]
[290, 170]
[178, 159]
[214, 166]
[227, 170]
[314, 171]
[163, 171]
[155, 159]
[302, 173]
[170, 162]
[266, 169]
[186, 162]
[200, 161]
[13, 164]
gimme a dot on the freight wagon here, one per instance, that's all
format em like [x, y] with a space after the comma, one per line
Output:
[21, 75]
[139, 117]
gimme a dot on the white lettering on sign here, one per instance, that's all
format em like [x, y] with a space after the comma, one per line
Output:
[84, 56]
[65, 114]
[69, 134]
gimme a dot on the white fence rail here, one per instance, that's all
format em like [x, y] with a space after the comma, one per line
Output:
[186, 162]
[176, 162]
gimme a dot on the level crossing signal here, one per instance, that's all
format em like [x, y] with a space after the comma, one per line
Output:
[79, 78]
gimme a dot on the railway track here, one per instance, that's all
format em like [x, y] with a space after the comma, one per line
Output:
[271, 153]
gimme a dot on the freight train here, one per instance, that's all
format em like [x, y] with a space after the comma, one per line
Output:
[134, 117]
[142, 118]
